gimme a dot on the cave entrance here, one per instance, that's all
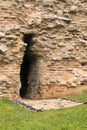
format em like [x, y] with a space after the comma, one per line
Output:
[27, 64]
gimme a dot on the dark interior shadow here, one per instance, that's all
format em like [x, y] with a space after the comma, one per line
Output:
[25, 66]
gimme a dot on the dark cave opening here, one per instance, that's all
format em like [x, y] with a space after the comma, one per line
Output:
[26, 65]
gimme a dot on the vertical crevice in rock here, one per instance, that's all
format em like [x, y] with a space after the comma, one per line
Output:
[26, 65]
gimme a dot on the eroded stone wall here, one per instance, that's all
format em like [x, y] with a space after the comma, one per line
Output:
[60, 45]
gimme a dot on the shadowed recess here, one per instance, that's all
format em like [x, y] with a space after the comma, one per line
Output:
[28, 60]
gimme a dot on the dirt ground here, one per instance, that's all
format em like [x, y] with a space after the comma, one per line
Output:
[49, 104]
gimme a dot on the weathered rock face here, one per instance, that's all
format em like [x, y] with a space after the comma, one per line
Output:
[52, 60]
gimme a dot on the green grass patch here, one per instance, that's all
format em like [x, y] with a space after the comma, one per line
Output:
[82, 97]
[14, 117]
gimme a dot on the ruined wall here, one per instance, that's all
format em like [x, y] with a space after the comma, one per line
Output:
[60, 46]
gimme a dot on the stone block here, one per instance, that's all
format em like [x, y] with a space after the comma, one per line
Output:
[3, 48]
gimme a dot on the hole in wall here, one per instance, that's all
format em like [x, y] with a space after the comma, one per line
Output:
[26, 66]
[83, 63]
[82, 83]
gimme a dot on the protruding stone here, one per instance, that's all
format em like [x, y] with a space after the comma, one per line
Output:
[48, 2]
[3, 48]
[11, 37]
[2, 34]
[26, 5]
[74, 9]
[64, 19]
[84, 42]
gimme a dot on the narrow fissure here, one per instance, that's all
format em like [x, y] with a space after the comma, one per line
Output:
[26, 65]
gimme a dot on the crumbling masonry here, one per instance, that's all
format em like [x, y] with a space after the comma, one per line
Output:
[43, 48]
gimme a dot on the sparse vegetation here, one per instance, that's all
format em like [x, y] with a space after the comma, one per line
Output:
[14, 117]
[81, 98]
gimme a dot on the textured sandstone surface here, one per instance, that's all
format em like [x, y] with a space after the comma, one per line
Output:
[59, 67]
